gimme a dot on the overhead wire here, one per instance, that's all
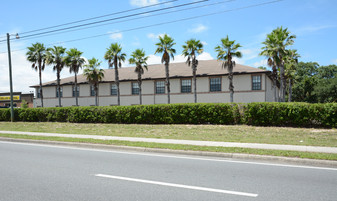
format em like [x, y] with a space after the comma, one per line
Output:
[163, 23]
[92, 18]
[111, 19]
[138, 18]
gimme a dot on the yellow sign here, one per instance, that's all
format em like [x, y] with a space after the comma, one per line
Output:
[5, 98]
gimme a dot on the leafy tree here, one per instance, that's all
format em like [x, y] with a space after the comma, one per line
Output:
[75, 62]
[94, 75]
[115, 58]
[326, 87]
[190, 50]
[291, 60]
[139, 59]
[226, 52]
[37, 56]
[55, 56]
[304, 82]
[275, 44]
[165, 46]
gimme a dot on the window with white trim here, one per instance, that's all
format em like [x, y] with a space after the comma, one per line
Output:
[215, 84]
[186, 86]
[160, 87]
[135, 88]
[113, 89]
[256, 82]
[61, 92]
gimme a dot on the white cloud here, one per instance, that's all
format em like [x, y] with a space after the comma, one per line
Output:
[22, 73]
[262, 62]
[115, 35]
[153, 59]
[141, 3]
[198, 28]
[155, 36]
[312, 28]
[334, 61]
[205, 56]
[204, 43]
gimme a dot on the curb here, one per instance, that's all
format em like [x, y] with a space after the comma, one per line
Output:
[247, 157]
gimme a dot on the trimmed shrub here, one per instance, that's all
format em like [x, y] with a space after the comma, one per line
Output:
[258, 114]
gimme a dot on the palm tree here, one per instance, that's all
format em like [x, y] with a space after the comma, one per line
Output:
[37, 55]
[272, 61]
[115, 58]
[138, 58]
[226, 51]
[165, 46]
[55, 56]
[94, 75]
[291, 61]
[191, 49]
[277, 41]
[75, 62]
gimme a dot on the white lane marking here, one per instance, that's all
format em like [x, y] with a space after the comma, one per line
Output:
[178, 185]
[170, 156]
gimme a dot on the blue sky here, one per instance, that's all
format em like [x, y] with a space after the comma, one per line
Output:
[314, 22]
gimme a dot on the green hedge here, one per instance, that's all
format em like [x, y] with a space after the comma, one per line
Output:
[259, 114]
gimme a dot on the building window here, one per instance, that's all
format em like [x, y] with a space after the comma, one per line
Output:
[92, 90]
[215, 84]
[76, 91]
[39, 93]
[61, 92]
[186, 86]
[113, 90]
[256, 82]
[160, 87]
[135, 88]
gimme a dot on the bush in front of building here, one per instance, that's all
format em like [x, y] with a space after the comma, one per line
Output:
[257, 114]
[291, 114]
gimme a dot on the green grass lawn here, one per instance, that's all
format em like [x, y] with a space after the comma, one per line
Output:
[294, 154]
[237, 133]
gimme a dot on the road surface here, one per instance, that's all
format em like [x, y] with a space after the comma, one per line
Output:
[35, 172]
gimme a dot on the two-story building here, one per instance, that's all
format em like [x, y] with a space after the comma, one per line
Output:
[250, 85]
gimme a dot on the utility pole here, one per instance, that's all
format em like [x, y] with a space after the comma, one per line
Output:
[10, 77]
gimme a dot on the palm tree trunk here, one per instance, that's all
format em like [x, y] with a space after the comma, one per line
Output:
[76, 97]
[58, 87]
[195, 81]
[275, 89]
[282, 78]
[96, 95]
[40, 77]
[117, 83]
[231, 87]
[167, 82]
[140, 87]
[290, 90]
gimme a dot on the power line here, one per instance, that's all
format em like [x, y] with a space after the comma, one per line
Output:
[184, 9]
[92, 18]
[163, 23]
[111, 19]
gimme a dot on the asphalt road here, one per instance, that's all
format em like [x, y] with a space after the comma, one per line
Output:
[32, 172]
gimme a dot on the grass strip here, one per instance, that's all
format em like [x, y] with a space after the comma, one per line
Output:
[222, 133]
[295, 154]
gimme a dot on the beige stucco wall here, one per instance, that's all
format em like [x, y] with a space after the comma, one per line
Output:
[242, 93]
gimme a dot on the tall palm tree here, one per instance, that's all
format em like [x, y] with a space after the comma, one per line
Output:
[226, 52]
[165, 46]
[55, 56]
[139, 59]
[272, 61]
[190, 50]
[291, 61]
[37, 55]
[281, 39]
[94, 75]
[75, 62]
[115, 58]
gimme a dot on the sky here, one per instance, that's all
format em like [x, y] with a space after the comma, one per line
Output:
[314, 22]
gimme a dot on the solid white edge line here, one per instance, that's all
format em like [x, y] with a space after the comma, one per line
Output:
[178, 185]
[169, 156]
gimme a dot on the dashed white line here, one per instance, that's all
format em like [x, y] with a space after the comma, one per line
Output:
[178, 185]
